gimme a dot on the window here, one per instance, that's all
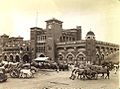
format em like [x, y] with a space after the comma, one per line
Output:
[63, 38]
[73, 39]
[60, 39]
[88, 37]
[49, 48]
[66, 38]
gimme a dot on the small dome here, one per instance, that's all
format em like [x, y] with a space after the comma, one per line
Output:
[90, 33]
[4, 35]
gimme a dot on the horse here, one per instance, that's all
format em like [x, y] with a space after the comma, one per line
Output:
[26, 73]
[103, 70]
[54, 66]
[80, 73]
[73, 74]
[63, 66]
[90, 73]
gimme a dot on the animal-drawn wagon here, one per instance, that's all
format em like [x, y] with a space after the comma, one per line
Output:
[89, 72]
[23, 71]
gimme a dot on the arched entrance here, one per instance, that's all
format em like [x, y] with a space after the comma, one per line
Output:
[80, 57]
[11, 58]
[42, 55]
[26, 58]
[70, 57]
[17, 58]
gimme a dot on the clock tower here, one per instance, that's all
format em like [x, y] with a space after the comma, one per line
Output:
[53, 33]
[91, 47]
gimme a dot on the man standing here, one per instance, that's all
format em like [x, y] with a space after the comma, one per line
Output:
[108, 73]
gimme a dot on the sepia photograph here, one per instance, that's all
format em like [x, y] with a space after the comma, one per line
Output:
[59, 44]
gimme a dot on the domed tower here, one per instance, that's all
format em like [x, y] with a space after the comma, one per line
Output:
[90, 47]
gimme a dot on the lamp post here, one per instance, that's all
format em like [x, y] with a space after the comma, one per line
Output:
[31, 52]
[21, 55]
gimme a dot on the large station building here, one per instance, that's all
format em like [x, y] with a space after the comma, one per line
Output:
[67, 45]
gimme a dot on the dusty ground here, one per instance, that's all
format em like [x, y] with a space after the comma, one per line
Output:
[49, 79]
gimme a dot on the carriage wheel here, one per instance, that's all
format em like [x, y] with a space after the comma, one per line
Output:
[33, 71]
[89, 76]
[94, 75]
[14, 74]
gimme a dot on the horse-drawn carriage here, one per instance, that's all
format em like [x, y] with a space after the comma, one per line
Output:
[23, 71]
[43, 63]
[18, 69]
[90, 72]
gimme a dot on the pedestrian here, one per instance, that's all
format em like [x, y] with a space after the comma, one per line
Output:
[108, 74]
[57, 69]
[73, 74]
[116, 68]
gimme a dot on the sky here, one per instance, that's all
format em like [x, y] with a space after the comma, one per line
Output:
[100, 16]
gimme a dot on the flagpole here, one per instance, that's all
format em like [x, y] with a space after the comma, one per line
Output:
[36, 21]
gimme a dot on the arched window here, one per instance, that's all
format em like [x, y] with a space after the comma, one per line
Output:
[5, 57]
[60, 39]
[102, 56]
[11, 58]
[70, 57]
[80, 57]
[26, 58]
[17, 58]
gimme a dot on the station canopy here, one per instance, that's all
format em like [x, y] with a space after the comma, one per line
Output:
[41, 59]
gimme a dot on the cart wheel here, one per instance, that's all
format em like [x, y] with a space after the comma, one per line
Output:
[89, 76]
[14, 74]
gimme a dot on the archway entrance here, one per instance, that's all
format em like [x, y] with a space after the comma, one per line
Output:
[17, 58]
[80, 58]
[11, 58]
[26, 59]
[42, 55]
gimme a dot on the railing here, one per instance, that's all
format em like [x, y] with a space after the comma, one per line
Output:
[72, 42]
[106, 43]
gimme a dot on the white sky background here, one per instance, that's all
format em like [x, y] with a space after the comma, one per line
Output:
[102, 16]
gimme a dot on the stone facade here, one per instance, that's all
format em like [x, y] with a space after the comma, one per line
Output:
[14, 48]
[67, 45]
